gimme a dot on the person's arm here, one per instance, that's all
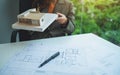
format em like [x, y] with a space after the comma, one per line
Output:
[67, 21]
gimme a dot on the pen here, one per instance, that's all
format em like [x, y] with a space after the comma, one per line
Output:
[49, 59]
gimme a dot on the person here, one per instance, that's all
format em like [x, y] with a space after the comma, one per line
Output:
[62, 25]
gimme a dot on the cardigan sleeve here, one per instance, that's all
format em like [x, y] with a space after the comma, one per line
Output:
[69, 26]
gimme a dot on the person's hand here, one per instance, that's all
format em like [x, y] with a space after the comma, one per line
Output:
[62, 19]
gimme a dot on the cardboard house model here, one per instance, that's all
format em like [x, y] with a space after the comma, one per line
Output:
[35, 21]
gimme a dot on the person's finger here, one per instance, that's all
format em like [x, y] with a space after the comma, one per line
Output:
[59, 14]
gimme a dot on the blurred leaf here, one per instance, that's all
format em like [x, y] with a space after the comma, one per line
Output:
[98, 16]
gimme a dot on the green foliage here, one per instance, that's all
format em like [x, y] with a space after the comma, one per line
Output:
[98, 16]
